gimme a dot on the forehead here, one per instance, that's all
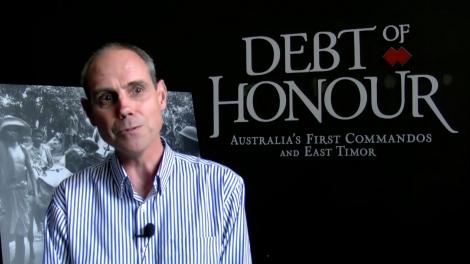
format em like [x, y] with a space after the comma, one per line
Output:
[11, 128]
[117, 64]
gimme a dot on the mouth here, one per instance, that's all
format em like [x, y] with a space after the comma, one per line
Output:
[128, 131]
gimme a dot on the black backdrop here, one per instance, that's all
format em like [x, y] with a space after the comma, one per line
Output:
[411, 198]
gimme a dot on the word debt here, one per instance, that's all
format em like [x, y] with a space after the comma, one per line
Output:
[283, 106]
[292, 47]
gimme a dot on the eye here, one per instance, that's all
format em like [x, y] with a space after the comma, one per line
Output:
[138, 89]
[105, 99]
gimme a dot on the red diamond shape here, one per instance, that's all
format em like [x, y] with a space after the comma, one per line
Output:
[393, 56]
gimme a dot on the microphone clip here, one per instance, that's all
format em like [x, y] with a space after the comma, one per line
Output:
[149, 231]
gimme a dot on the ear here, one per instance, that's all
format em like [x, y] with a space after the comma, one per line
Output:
[162, 94]
[86, 105]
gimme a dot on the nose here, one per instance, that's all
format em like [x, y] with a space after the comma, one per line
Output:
[124, 106]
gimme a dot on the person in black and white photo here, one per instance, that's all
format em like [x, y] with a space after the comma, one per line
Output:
[189, 141]
[41, 161]
[18, 188]
[71, 129]
[91, 155]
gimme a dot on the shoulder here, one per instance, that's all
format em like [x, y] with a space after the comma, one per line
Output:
[25, 151]
[206, 169]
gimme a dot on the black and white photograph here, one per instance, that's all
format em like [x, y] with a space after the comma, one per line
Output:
[45, 136]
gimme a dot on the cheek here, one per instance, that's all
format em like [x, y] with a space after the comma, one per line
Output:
[102, 117]
[103, 124]
[158, 118]
[153, 113]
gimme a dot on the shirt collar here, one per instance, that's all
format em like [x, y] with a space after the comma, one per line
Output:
[161, 178]
[165, 169]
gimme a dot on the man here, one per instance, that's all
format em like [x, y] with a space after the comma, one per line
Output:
[41, 157]
[90, 148]
[17, 188]
[41, 161]
[188, 137]
[71, 129]
[146, 203]
[73, 158]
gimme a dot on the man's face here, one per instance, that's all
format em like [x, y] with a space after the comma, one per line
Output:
[37, 138]
[124, 103]
[11, 134]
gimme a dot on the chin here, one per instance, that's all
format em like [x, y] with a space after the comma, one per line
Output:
[130, 149]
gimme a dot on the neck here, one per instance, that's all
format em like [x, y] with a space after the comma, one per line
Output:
[141, 169]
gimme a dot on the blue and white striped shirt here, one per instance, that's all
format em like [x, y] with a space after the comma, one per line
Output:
[196, 206]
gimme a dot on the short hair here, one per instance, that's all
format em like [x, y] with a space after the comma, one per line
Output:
[116, 45]
[37, 131]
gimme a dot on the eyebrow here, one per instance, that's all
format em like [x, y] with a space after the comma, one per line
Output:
[126, 86]
[134, 83]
